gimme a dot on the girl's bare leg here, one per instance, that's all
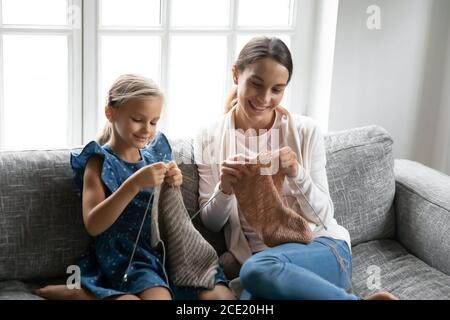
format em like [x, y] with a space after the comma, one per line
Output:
[125, 297]
[156, 293]
[62, 292]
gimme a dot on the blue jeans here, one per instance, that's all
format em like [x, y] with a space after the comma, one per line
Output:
[320, 270]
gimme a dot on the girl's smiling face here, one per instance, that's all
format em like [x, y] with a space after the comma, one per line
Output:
[260, 88]
[135, 121]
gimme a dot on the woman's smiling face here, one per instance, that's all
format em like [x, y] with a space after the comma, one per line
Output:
[260, 88]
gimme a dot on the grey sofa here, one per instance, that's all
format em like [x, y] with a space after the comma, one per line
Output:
[397, 212]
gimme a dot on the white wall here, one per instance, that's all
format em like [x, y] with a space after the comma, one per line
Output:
[394, 77]
[442, 141]
[323, 46]
[313, 54]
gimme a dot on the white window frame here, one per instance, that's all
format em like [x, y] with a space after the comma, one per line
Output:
[84, 57]
[2, 112]
[92, 54]
[74, 37]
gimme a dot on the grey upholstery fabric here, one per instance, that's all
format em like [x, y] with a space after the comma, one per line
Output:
[360, 169]
[17, 290]
[41, 229]
[422, 205]
[403, 274]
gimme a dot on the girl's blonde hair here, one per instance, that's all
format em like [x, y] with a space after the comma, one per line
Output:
[124, 89]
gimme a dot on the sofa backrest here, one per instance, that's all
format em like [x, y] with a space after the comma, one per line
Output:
[360, 169]
[41, 224]
[41, 227]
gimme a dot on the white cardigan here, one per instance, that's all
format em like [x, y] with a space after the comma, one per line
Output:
[216, 143]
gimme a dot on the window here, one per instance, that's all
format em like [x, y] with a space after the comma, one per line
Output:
[58, 59]
[188, 47]
[276, 14]
[40, 50]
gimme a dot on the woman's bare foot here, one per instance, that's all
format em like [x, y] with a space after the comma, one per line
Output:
[62, 292]
[219, 292]
[382, 296]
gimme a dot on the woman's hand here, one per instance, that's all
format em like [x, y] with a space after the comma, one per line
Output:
[173, 175]
[150, 176]
[232, 170]
[288, 162]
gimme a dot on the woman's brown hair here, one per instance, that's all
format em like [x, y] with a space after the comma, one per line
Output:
[256, 49]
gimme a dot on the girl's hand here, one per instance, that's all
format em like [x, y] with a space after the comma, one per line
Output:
[232, 170]
[173, 175]
[150, 176]
[288, 162]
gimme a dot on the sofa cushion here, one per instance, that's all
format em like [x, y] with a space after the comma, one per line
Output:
[41, 227]
[17, 290]
[401, 273]
[360, 169]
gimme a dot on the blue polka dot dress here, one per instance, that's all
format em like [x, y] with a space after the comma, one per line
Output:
[105, 262]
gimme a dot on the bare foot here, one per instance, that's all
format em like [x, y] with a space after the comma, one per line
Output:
[61, 292]
[382, 296]
[219, 292]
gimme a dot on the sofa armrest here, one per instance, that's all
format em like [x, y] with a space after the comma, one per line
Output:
[422, 208]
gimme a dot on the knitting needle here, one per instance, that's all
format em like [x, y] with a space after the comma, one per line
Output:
[207, 202]
[125, 276]
[256, 158]
[298, 187]
[317, 215]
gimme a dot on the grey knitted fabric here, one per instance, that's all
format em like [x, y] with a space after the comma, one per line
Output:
[191, 260]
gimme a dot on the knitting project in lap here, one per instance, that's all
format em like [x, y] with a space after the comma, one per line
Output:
[192, 261]
[260, 201]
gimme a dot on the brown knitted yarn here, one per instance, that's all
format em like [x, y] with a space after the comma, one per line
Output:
[260, 201]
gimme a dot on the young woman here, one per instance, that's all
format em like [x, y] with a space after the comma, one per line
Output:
[320, 269]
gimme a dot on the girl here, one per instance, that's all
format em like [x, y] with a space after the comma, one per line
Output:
[117, 177]
[318, 270]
